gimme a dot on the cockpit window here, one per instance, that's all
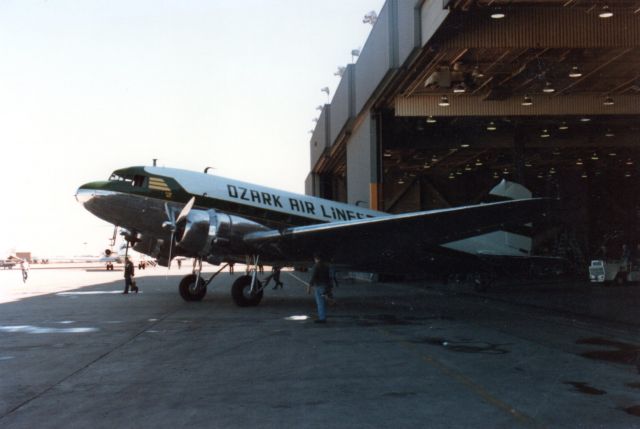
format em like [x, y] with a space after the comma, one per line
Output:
[118, 178]
[137, 181]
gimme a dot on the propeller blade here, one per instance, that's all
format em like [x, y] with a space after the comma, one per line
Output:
[171, 223]
[170, 248]
[171, 217]
[187, 208]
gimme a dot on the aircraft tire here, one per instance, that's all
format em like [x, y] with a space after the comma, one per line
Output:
[241, 295]
[186, 288]
[481, 282]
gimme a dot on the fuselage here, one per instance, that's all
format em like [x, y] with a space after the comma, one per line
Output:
[135, 198]
[140, 199]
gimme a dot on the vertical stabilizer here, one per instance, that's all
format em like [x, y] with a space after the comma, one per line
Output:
[508, 242]
[510, 191]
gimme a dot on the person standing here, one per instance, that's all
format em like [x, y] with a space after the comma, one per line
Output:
[24, 265]
[129, 273]
[321, 281]
[275, 275]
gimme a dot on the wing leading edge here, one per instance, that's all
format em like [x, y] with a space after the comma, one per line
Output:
[375, 242]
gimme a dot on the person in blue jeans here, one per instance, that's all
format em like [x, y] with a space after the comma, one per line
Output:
[321, 281]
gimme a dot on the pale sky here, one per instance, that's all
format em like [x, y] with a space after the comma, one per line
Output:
[89, 86]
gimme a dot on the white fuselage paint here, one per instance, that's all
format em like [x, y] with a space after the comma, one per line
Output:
[248, 194]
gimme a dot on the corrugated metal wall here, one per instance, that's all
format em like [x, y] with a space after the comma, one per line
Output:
[320, 137]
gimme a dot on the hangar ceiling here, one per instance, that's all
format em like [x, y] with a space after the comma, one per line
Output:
[580, 72]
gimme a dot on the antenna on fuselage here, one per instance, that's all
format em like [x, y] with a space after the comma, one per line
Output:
[155, 160]
[207, 169]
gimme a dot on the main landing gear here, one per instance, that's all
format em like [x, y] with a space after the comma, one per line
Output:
[246, 295]
[246, 291]
[193, 287]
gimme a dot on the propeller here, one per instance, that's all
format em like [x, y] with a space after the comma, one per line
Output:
[172, 223]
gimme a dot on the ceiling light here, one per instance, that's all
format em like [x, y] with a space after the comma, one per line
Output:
[401, 181]
[527, 101]
[552, 170]
[579, 161]
[434, 159]
[505, 172]
[495, 174]
[452, 176]
[431, 120]
[464, 145]
[444, 101]
[459, 89]
[612, 153]
[545, 134]
[478, 163]
[575, 72]
[584, 175]
[497, 13]
[458, 173]
[627, 174]
[608, 101]
[540, 176]
[548, 88]
[387, 154]
[467, 167]
[527, 164]
[563, 126]
[585, 119]
[629, 162]
[594, 157]
[426, 166]
[609, 133]
[491, 126]
[605, 12]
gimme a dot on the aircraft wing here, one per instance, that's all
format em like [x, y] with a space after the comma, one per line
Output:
[375, 241]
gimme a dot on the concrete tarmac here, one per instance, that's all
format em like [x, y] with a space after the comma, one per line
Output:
[74, 352]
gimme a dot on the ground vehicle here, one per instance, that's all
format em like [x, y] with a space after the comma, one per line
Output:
[7, 265]
[601, 271]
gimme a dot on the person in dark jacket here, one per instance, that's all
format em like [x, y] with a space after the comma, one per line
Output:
[321, 281]
[129, 273]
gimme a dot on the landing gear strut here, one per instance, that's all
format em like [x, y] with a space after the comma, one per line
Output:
[193, 287]
[247, 290]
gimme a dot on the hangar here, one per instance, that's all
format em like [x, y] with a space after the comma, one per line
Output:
[448, 97]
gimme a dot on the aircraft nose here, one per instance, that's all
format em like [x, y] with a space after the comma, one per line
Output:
[88, 192]
[84, 194]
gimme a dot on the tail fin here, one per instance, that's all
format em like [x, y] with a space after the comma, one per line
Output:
[519, 239]
[515, 241]
[510, 191]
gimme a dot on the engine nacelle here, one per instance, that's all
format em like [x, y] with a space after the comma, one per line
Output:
[213, 234]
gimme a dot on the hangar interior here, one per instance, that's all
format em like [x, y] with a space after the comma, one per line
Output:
[448, 97]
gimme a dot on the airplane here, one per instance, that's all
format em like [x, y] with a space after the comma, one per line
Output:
[167, 212]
